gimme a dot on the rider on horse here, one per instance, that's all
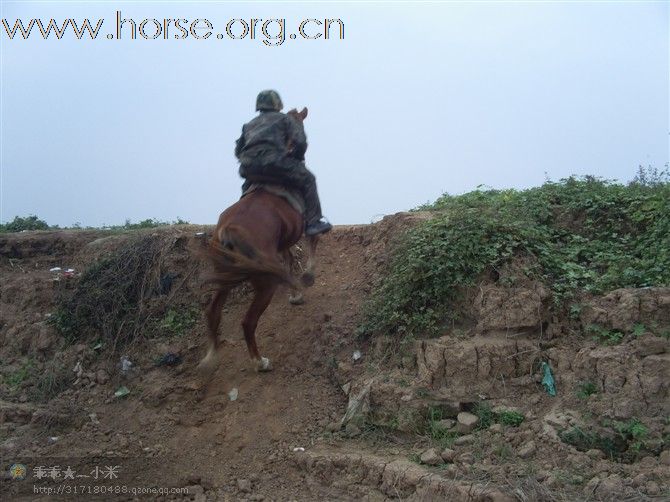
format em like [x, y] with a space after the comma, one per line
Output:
[272, 148]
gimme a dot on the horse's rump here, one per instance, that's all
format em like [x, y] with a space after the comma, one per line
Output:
[243, 245]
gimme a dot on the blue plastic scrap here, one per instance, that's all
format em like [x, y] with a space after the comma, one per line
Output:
[548, 379]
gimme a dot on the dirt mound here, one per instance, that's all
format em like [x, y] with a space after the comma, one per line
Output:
[339, 418]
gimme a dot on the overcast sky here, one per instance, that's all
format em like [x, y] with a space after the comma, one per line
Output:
[418, 99]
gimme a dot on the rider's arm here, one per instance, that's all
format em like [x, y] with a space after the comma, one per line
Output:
[239, 144]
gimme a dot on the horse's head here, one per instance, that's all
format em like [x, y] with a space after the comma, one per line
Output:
[300, 116]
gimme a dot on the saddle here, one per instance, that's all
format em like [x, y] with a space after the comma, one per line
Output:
[290, 195]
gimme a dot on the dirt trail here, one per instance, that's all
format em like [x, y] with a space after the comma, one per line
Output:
[181, 439]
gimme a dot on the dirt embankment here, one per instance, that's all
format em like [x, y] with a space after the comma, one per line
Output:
[460, 417]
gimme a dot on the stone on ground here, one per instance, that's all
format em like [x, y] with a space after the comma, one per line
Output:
[430, 457]
[466, 422]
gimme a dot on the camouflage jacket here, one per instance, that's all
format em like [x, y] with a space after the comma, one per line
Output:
[269, 138]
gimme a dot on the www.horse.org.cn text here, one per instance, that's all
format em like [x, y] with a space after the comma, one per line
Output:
[271, 32]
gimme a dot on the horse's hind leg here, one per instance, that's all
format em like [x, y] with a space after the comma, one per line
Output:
[308, 275]
[264, 291]
[213, 314]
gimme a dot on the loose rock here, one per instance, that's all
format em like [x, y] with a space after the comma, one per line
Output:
[651, 488]
[430, 457]
[610, 488]
[527, 450]
[102, 377]
[466, 422]
[647, 461]
[45, 339]
[244, 485]
[466, 458]
[447, 423]
[450, 471]
[639, 480]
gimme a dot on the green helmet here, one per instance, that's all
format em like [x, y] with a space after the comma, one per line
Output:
[268, 101]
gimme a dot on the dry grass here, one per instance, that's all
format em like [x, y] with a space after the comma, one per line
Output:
[113, 298]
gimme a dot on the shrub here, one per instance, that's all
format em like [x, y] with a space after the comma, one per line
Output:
[18, 224]
[586, 389]
[581, 234]
[179, 321]
[110, 298]
[513, 418]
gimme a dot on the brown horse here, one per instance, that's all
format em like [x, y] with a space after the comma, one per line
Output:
[251, 243]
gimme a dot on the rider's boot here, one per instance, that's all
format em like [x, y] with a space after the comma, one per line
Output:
[320, 226]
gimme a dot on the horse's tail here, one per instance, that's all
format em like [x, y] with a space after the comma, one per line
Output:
[235, 261]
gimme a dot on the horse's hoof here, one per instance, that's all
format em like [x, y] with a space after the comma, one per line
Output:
[263, 365]
[208, 365]
[307, 279]
[296, 300]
